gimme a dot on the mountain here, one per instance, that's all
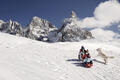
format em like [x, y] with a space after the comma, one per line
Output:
[11, 27]
[39, 29]
[71, 30]
[43, 30]
[26, 59]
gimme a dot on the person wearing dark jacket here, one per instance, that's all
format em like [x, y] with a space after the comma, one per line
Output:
[81, 54]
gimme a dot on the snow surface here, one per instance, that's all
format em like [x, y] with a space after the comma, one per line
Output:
[25, 59]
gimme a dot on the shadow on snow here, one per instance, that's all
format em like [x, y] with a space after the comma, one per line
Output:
[76, 62]
[95, 60]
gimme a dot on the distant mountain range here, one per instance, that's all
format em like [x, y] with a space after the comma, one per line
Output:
[43, 30]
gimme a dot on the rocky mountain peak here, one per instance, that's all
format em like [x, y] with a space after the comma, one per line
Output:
[35, 18]
[73, 15]
[10, 21]
[43, 30]
[11, 27]
[38, 29]
[71, 30]
[72, 20]
[1, 21]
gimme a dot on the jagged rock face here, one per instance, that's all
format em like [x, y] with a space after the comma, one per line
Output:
[54, 36]
[11, 27]
[71, 31]
[39, 29]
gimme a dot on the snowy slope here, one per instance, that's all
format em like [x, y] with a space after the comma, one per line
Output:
[25, 59]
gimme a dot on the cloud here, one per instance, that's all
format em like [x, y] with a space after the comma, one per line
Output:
[104, 35]
[119, 27]
[105, 14]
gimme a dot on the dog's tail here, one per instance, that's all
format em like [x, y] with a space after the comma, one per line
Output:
[111, 57]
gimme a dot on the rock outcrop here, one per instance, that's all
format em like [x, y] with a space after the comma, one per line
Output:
[39, 29]
[43, 30]
[71, 30]
[11, 27]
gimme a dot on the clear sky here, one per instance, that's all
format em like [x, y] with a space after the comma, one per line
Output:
[52, 10]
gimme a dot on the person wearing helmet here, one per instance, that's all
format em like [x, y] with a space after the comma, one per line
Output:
[82, 54]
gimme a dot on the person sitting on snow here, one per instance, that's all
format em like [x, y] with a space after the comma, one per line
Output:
[87, 62]
[81, 54]
[87, 53]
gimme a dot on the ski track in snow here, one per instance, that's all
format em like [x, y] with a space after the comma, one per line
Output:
[25, 59]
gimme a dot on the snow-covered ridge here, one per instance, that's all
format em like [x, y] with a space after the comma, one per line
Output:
[43, 30]
[71, 30]
[39, 29]
[11, 27]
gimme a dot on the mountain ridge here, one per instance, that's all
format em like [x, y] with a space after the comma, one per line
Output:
[42, 30]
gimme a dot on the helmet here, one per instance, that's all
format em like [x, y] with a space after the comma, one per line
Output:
[82, 47]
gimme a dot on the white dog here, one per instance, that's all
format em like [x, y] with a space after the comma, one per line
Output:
[102, 55]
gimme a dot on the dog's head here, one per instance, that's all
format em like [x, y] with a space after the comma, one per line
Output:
[99, 49]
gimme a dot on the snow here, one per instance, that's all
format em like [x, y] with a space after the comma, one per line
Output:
[71, 30]
[26, 59]
[38, 29]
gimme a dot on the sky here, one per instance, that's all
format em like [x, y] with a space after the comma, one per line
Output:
[54, 11]
[101, 17]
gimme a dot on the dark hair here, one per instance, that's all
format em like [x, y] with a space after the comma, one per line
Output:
[82, 47]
